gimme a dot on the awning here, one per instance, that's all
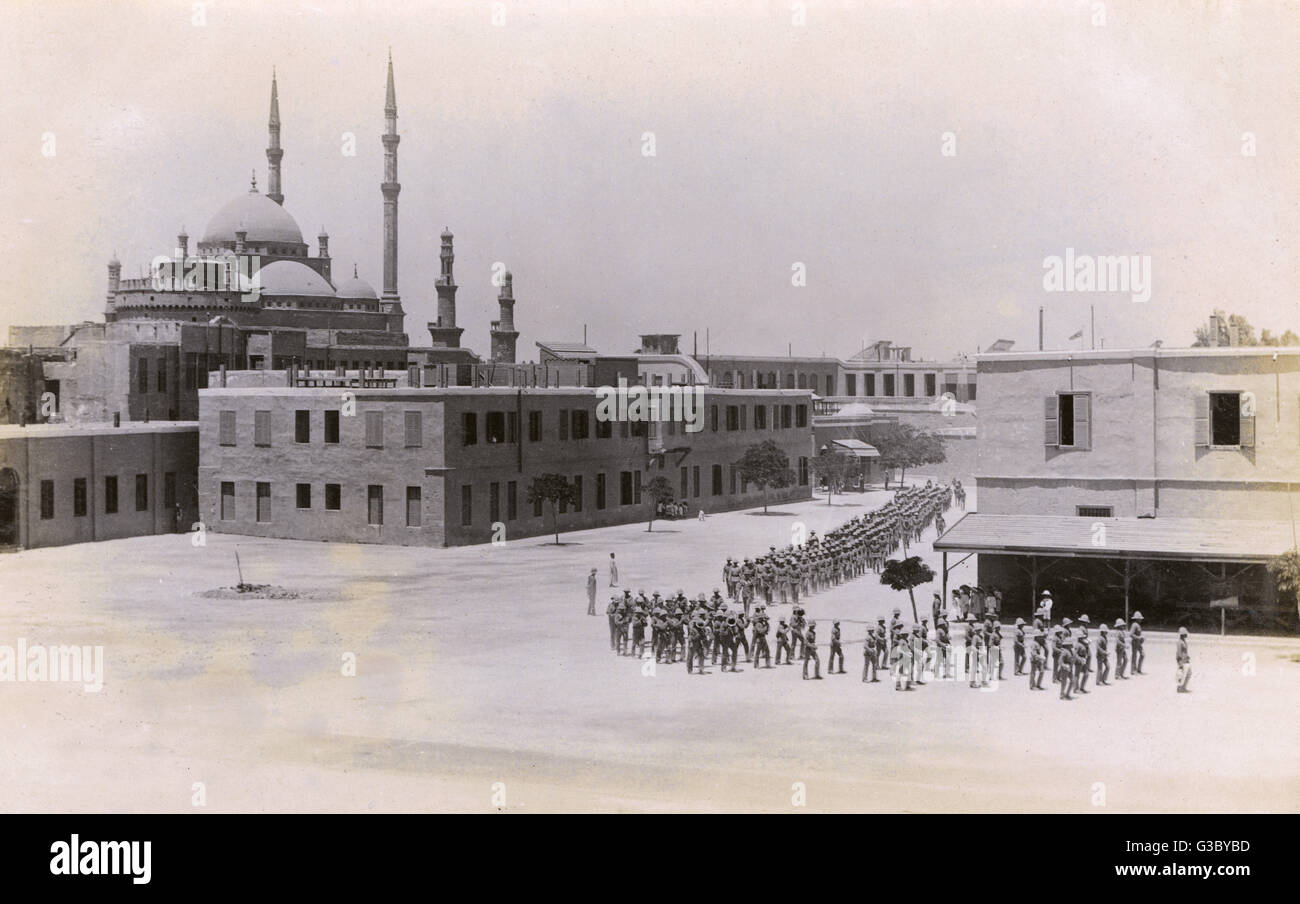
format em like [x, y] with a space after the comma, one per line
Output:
[1185, 539]
[854, 447]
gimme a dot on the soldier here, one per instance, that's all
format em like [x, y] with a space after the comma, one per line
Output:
[920, 644]
[624, 623]
[1065, 673]
[869, 655]
[1038, 661]
[698, 641]
[718, 624]
[761, 626]
[1081, 663]
[970, 641]
[902, 666]
[1056, 650]
[783, 643]
[836, 650]
[727, 640]
[810, 651]
[1184, 658]
[978, 656]
[612, 612]
[1103, 655]
[638, 632]
[882, 644]
[797, 624]
[995, 649]
[591, 592]
[1018, 647]
[943, 648]
[1121, 648]
[1135, 641]
[738, 638]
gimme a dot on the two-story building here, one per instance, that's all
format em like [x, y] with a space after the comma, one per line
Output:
[1152, 479]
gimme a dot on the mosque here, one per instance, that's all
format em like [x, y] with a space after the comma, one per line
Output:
[249, 295]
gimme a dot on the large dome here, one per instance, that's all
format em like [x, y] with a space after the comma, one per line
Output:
[261, 218]
[291, 278]
[356, 287]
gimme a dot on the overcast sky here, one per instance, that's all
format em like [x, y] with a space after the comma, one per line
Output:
[775, 143]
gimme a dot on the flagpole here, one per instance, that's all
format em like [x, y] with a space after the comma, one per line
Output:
[1092, 325]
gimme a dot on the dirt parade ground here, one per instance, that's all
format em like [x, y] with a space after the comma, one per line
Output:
[369, 678]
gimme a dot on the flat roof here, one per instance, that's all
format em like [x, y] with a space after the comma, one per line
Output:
[14, 431]
[408, 391]
[1186, 539]
[1098, 354]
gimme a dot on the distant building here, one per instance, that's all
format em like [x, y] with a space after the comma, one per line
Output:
[63, 484]
[449, 465]
[1153, 479]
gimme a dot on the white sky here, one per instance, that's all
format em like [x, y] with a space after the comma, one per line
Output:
[775, 143]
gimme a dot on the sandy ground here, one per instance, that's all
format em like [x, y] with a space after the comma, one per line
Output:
[481, 684]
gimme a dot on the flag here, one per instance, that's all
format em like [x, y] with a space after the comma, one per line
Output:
[1078, 334]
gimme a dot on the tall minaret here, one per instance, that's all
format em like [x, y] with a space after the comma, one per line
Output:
[444, 333]
[391, 187]
[273, 153]
[503, 331]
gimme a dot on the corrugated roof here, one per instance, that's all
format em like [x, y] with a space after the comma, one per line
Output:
[857, 447]
[561, 348]
[1189, 539]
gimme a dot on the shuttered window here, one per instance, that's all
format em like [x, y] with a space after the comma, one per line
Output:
[1225, 420]
[374, 430]
[1067, 420]
[413, 506]
[261, 428]
[414, 429]
[227, 437]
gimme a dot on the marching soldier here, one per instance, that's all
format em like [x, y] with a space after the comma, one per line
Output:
[797, 624]
[902, 666]
[869, 655]
[1103, 655]
[1018, 647]
[638, 632]
[698, 641]
[783, 643]
[1081, 656]
[995, 649]
[729, 631]
[810, 651]
[611, 611]
[970, 641]
[761, 649]
[1121, 648]
[1038, 661]
[836, 650]
[1065, 671]
[943, 648]
[882, 645]
[1184, 658]
[738, 638]
[1135, 641]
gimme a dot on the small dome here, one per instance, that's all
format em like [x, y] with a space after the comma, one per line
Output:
[356, 287]
[291, 278]
[855, 409]
[257, 215]
[446, 233]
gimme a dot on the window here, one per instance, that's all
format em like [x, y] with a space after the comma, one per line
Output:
[731, 479]
[537, 506]
[564, 424]
[227, 500]
[786, 411]
[494, 502]
[169, 491]
[1225, 420]
[909, 385]
[534, 426]
[889, 384]
[716, 474]
[801, 416]
[851, 384]
[733, 418]
[142, 492]
[604, 429]
[374, 504]
[760, 417]
[414, 512]
[623, 430]
[636, 487]
[803, 471]
[1068, 420]
[227, 432]
[512, 426]
[302, 426]
[685, 482]
[625, 488]
[744, 417]
[600, 491]
[374, 430]
[79, 497]
[581, 421]
[1095, 511]
[333, 497]
[495, 427]
[512, 501]
[303, 494]
[695, 481]
[577, 491]
[414, 421]
[830, 384]
[263, 501]
[143, 374]
[47, 499]
[929, 384]
[713, 418]
[868, 384]
[261, 428]
[970, 392]
[162, 375]
[466, 505]
[331, 427]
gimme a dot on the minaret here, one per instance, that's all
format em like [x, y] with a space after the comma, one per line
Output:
[114, 279]
[503, 331]
[390, 187]
[445, 333]
[273, 153]
[323, 252]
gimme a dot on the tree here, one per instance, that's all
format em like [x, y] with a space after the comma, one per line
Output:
[1286, 571]
[660, 490]
[1234, 329]
[834, 468]
[552, 489]
[1289, 338]
[902, 446]
[765, 465]
[905, 574]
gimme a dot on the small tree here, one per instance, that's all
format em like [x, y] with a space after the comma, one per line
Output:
[551, 489]
[902, 446]
[765, 465]
[834, 468]
[1286, 571]
[905, 574]
[660, 490]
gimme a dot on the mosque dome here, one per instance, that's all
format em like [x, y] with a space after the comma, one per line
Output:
[262, 219]
[291, 278]
[356, 287]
